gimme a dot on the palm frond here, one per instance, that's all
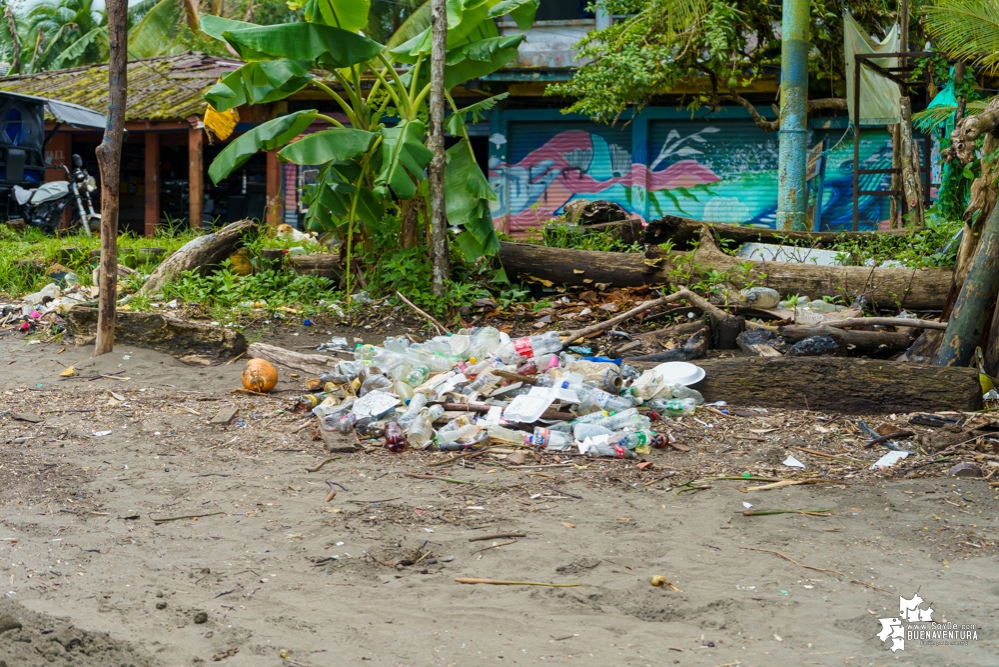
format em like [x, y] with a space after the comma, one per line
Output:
[966, 29]
[72, 53]
[156, 33]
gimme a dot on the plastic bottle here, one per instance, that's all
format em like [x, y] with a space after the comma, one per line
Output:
[346, 422]
[373, 382]
[482, 343]
[311, 401]
[679, 407]
[413, 409]
[627, 419]
[584, 431]
[592, 418]
[529, 346]
[402, 390]
[421, 431]
[592, 399]
[395, 441]
[551, 440]
[417, 375]
[682, 391]
[607, 449]
[633, 439]
[463, 434]
[499, 433]
[484, 384]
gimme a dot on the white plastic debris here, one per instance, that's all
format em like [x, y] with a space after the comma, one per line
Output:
[792, 462]
[889, 459]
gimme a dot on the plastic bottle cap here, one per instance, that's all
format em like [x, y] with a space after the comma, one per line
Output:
[472, 360]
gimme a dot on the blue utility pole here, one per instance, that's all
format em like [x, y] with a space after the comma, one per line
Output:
[792, 197]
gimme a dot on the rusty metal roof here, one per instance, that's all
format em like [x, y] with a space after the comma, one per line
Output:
[161, 88]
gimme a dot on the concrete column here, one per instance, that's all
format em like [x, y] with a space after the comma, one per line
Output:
[152, 183]
[792, 197]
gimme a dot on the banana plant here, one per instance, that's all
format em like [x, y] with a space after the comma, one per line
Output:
[377, 159]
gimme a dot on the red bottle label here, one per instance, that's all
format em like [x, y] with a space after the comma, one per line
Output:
[522, 346]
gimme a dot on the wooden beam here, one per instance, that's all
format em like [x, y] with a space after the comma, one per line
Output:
[195, 173]
[274, 211]
[152, 177]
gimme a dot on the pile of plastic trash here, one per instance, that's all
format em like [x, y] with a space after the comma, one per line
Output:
[400, 389]
[52, 298]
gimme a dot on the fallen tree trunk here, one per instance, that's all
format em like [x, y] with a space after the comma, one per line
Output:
[320, 264]
[682, 231]
[313, 364]
[913, 289]
[199, 254]
[858, 341]
[839, 384]
[975, 301]
[190, 342]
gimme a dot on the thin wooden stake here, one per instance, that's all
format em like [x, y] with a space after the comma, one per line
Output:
[109, 160]
[439, 259]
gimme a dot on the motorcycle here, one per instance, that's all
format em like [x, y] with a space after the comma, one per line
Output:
[43, 206]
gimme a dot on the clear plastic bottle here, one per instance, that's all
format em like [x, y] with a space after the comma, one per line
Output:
[484, 384]
[607, 449]
[633, 439]
[413, 409]
[678, 407]
[627, 419]
[328, 407]
[463, 434]
[421, 431]
[483, 343]
[402, 390]
[417, 375]
[499, 433]
[373, 382]
[551, 440]
[584, 431]
[346, 423]
[682, 391]
[592, 418]
[529, 346]
[592, 399]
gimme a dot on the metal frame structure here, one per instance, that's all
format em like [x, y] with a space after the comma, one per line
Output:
[895, 74]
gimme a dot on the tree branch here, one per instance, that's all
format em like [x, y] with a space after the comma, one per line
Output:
[823, 104]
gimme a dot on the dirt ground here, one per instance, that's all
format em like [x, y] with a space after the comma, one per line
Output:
[270, 573]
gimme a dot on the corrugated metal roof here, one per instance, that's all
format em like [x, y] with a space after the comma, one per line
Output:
[161, 88]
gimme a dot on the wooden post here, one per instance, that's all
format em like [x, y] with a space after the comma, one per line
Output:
[109, 159]
[152, 178]
[438, 225]
[274, 207]
[195, 172]
[59, 151]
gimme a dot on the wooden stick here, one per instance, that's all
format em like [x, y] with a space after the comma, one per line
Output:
[890, 436]
[607, 324]
[321, 464]
[495, 582]
[497, 536]
[817, 569]
[885, 321]
[441, 329]
[494, 546]
[179, 518]
[824, 455]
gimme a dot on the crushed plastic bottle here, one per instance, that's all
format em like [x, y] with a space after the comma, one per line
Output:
[555, 441]
[635, 439]
[413, 409]
[462, 434]
[529, 346]
[582, 431]
[499, 433]
[598, 449]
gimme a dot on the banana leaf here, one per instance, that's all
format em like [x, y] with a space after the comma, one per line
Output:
[214, 26]
[267, 136]
[482, 57]
[333, 47]
[334, 145]
[467, 194]
[521, 11]
[351, 15]
[157, 31]
[404, 157]
[259, 83]
[456, 121]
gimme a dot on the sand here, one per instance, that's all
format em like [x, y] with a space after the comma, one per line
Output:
[284, 578]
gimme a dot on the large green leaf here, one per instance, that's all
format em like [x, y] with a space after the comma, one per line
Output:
[157, 32]
[303, 41]
[334, 145]
[480, 58]
[404, 157]
[214, 26]
[267, 136]
[349, 15]
[467, 194]
[473, 22]
[259, 83]
[77, 48]
[456, 121]
[416, 24]
[521, 11]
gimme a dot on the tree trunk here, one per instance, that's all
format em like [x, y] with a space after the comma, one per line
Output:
[15, 66]
[439, 258]
[109, 160]
[313, 364]
[863, 342]
[973, 308]
[682, 231]
[842, 384]
[409, 222]
[320, 264]
[913, 289]
[910, 179]
[896, 178]
[199, 254]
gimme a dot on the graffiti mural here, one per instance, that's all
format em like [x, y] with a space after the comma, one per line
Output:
[716, 173]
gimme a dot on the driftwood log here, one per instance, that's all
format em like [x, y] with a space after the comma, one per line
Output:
[913, 289]
[191, 342]
[839, 384]
[682, 231]
[313, 364]
[864, 342]
[320, 264]
[201, 254]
